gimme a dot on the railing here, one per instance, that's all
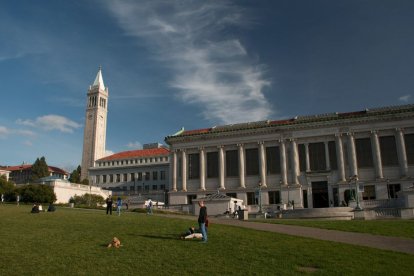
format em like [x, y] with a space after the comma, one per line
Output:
[388, 212]
[382, 203]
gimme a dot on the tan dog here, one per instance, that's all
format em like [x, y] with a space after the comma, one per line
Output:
[115, 243]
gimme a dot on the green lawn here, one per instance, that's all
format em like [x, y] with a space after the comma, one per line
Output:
[394, 228]
[73, 242]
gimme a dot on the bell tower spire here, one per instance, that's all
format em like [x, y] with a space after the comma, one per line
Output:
[94, 135]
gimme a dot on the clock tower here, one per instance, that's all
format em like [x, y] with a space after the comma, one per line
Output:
[94, 135]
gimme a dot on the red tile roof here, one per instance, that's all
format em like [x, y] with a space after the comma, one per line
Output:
[29, 166]
[136, 153]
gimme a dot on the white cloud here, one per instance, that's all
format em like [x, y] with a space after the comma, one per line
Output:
[108, 152]
[134, 145]
[51, 122]
[209, 68]
[404, 98]
[28, 143]
[4, 131]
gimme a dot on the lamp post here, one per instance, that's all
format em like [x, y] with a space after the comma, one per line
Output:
[388, 188]
[260, 196]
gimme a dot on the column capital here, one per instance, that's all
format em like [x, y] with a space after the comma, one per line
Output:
[399, 129]
[183, 150]
[350, 133]
[201, 148]
[240, 145]
[220, 147]
[260, 142]
[374, 132]
[339, 134]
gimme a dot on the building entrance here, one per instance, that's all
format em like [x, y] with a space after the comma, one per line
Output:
[320, 194]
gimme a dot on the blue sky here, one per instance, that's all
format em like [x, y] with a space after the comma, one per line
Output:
[193, 64]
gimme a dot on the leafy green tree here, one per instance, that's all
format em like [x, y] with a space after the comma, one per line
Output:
[6, 188]
[85, 182]
[39, 169]
[36, 193]
[75, 175]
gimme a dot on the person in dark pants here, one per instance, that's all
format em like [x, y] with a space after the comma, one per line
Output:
[202, 218]
[109, 205]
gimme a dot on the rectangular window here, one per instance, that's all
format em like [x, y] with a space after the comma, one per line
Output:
[125, 177]
[273, 160]
[302, 157]
[162, 187]
[388, 148]
[232, 163]
[409, 148]
[140, 176]
[104, 179]
[332, 155]
[251, 199]
[118, 178]
[252, 162]
[147, 176]
[364, 153]
[317, 156]
[155, 175]
[154, 187]
[212, 164]
[97, 179]
[274, 197]
[369, 192]
[162, 175]
[393, 189]
[190, 198]
[193, 166]
[132, 176]
[111, 178]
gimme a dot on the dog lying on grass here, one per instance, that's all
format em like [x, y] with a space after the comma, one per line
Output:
[115, 243]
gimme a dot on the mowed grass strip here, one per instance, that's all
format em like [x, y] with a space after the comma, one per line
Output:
[73, 242]
[390, 227]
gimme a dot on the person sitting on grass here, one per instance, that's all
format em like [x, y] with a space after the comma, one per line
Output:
[51, 208]
[35, 209]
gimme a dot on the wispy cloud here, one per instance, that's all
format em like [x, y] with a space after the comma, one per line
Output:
[109, 152]
[134, 145]
[404, 98]
[51, 122]
[4, 131]
[209, 68]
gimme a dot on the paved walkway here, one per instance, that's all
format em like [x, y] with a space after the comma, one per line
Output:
[374, 241]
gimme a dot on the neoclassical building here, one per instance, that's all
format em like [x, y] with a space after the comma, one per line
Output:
[312, 161]
[136, 172]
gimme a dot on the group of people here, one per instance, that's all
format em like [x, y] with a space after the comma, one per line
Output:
[109, 205]
[37, 208]
[201, 232]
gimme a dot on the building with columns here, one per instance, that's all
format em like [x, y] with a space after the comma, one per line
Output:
[94, 135]
[311, 161]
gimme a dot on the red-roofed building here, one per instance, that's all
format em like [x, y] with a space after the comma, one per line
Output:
[22, 174]
[136, 172]
[309, 161]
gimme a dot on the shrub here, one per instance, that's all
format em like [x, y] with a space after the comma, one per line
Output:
[36, 193]
[94, 200]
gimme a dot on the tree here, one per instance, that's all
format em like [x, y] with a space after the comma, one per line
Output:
[6, 188]
[75, 175]
[39, 169]
[36, 193]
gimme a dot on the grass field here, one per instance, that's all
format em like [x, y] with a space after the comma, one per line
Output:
[73, 242]
[393, 228]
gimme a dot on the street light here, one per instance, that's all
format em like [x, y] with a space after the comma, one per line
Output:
[260, 196]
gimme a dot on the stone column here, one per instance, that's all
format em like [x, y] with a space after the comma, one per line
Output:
[262, 159]
[184, 170]
[295, 163]
[376, 150]
[352, 154]
[202, 169]
[328, 162]
[283, 162]
[340, 157]
[307, 157]
[241, 166]
[174, 170]
[221, 167]
[402, 155]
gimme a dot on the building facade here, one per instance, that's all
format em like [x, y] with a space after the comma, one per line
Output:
[142, 172]
[22, 174]
[94, 136]
[309, 161]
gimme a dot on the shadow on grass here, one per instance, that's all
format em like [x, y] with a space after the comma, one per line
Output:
[169, 237]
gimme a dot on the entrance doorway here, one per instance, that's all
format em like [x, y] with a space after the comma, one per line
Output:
[320, 194]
